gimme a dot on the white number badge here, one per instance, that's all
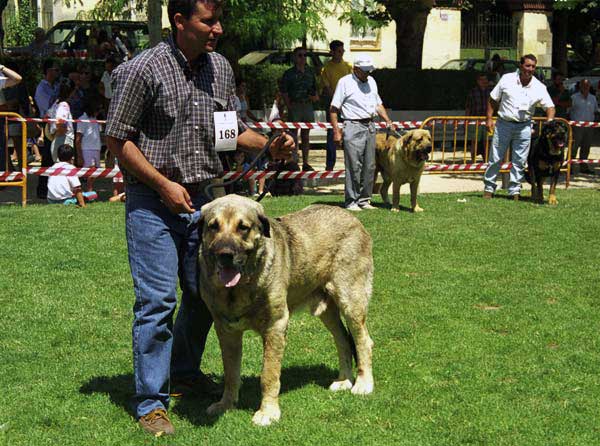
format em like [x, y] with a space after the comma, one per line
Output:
[226, 131]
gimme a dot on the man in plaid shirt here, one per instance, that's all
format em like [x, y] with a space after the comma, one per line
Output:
[160, 126]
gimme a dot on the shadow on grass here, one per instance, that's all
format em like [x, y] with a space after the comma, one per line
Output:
[119, 388]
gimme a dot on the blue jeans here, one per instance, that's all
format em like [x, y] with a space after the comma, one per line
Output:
[516, 135]
[163, 248]
[331, 146]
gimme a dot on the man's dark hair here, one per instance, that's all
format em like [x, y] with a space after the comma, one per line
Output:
[47, 65]
[480, 74]
[186, 8]
[335, 44]
[65, 152]
[65, 89]
[91, 104]
[555, 74]
[528, 56]
[298, 49]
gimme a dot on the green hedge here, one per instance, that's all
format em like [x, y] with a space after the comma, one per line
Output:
[399, 89]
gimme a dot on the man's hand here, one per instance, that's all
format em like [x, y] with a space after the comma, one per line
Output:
[337, 136]
[489, 123]
[176, 198]
[282, 147]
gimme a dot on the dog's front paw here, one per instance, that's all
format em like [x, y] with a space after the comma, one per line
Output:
[362, 386]
[219, 408]
[417, 208]
[266, 416]
[552, 200]
[395, 209]
[336, 386]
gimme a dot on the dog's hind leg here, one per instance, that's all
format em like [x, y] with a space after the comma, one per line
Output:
[331, 319]
[384, 188]
[396, 196]
[352, 302]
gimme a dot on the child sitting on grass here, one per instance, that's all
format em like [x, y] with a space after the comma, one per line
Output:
[63, 189]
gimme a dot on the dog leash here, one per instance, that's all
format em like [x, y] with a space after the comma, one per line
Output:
[209, 188]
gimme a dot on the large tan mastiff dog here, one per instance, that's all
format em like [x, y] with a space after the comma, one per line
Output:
[255, 271]
[400, 161]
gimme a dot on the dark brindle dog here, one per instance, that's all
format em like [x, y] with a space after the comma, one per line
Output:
[545, 160]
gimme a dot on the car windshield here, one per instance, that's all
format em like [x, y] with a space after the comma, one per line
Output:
[58, 35]
[454, 65]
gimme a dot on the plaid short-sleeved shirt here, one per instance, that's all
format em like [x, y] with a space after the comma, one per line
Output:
[165, 106]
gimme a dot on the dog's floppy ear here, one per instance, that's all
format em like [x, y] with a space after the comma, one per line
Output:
[266, 226]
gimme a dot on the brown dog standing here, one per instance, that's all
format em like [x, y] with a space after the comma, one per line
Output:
[400, 161]
[255, 271]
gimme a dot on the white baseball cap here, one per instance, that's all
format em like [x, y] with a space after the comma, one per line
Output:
[364, 62]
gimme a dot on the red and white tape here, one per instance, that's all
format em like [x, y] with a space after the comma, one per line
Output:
[115, 173]
[312, 125]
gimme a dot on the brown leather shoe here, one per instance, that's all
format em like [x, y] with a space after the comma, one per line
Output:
[487, 195]
[195, 386]
[157, 423]
[516, 197]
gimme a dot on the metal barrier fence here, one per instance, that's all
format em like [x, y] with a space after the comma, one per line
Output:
[21, 180]
[461, 139]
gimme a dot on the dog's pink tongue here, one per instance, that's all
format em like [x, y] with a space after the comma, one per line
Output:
[229, 277]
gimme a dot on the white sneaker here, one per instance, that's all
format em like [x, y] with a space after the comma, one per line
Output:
[353, 207]
[368, 207]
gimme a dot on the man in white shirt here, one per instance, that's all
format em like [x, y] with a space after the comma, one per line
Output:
[515, 98]
[357, 100]
[583, 108]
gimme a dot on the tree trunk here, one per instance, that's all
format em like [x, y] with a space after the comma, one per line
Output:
[560, 27]
[155, 21]
[410, 31]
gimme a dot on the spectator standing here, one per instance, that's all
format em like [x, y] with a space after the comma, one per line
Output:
[105, 81]
[87, 138]
[66, 189]
[242, 102]
[62, 129]
[45, 95]
[332, 72]
[8, 78]
[357, 100]
[515, 98]
[560, 96]
[39, 48]
[583, 108]
[476, 105]
[299, 89]
[167, 153]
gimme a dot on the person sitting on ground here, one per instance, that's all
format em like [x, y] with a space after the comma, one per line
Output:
[87, 138]
[66, 189]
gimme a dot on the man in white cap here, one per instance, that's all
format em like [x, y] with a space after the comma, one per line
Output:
[357, 100]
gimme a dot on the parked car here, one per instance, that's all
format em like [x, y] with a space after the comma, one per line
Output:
[315, 58]
[477, 65]
[70, 35]
[592, 75]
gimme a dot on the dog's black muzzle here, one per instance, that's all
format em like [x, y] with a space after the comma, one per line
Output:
[423, 154]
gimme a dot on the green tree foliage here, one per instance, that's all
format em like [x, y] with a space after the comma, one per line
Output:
[20, 26]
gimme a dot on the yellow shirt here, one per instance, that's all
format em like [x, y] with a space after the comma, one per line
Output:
[332, 72]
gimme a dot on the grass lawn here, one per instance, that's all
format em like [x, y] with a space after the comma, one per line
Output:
[485, 318]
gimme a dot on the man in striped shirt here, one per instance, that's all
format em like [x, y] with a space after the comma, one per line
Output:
[161, 128]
